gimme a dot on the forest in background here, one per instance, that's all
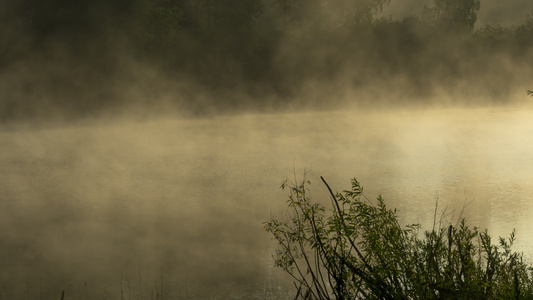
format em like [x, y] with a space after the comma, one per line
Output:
[77, 59]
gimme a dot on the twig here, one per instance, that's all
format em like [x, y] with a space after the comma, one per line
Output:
[344, 223]
[436, 207]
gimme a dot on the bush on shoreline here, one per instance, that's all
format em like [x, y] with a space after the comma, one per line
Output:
[359, 250]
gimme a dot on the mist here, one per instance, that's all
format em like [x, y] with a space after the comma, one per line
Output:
[68, 61]
[179, 205]
[143, 142]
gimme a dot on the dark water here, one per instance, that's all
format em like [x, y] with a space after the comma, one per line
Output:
[136, 210]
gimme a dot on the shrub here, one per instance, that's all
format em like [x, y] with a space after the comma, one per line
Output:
[359, 250]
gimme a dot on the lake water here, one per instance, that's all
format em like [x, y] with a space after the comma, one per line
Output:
[176, 207]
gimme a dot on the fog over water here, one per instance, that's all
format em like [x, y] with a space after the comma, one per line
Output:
[143, 142]
[183, 202]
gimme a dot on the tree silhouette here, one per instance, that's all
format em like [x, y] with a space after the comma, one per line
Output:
[459, 15]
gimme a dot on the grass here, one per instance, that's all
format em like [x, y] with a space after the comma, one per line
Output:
[137, 289]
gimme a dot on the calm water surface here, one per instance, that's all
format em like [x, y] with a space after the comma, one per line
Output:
[176, 207]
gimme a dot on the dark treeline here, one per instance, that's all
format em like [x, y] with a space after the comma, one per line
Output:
[84, 57]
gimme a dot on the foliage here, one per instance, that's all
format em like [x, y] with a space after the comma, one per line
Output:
[359, 250]
[239, 51]
[347, 12]
[458, 15]
[366, 10]
[161, 21]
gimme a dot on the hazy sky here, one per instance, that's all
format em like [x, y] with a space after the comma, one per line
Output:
[492, 12]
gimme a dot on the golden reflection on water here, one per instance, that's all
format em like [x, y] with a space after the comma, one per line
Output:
[189, 197]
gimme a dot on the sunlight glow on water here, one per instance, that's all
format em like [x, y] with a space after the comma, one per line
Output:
[188, 198]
